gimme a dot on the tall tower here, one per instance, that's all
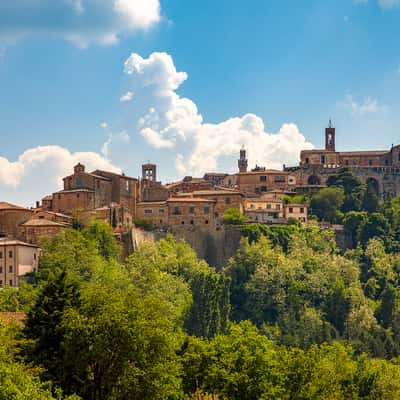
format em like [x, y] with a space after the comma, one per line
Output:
[149, 172]
[242, 162]
[330, 134]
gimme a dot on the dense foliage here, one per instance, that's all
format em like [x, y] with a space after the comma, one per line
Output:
[289, 317]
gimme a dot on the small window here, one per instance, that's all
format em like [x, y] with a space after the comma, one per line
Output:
[1, 254]
[278, 206]
[323, 160]
[127, 186]
[206, 210]
[79, 182]
[183, 222]
[369, 162]
[10, 254]
[1, 283]
[263, 189]
[263, 178]
[177, 210]
[228, 200]
[98, 184]
[148, 211]
[268, 206]
[11, 282]
[307, 160]
[10, 269]
[77, 195]
[398, 156]
[386, 162]
[161, 211]
[59, 197]
[206, 221]
[191, 210]
[1, 270]
[290, 210]
[191, 222]
[346, 162]
[34, 256]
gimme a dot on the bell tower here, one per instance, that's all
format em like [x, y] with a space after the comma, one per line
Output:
[330, 137]
[242, 162]
[149, 172]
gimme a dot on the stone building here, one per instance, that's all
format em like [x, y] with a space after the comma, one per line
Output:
[156, 211]
[86, 191]
[34, 231]
[297, 211]
[260, 179]
[224, 199]
[380, 168]
[179, 212]
[11, 216]
[192, 212]
[16, 259]
[52, 216]
[189, 184]
[270, 210]
[124, 189]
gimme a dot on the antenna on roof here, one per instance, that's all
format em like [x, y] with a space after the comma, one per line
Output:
[330, 123]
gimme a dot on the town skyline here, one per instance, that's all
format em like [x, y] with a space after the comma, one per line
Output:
[116, 88]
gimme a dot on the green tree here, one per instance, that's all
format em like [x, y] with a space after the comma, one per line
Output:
[102, 234]
[43, 327]
[326, 204]
[233, 216]
[376, 226]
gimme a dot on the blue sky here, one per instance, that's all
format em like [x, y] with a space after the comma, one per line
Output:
[266, 74]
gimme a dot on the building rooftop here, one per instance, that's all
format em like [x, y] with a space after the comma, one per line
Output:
[264, 172]
[8, 206]
[44, 222]
[98, 172]
[75, 190]
[13, 242]
[189, 200]
[57, 214]
[215, 192]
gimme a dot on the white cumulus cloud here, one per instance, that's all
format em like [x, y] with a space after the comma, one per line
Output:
[128, 96]
[41, 169]
[173, 122]
[81, 21]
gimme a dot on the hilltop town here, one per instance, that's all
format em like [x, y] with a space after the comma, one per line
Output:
[190, 208]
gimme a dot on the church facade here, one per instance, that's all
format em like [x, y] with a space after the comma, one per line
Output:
[381, 167]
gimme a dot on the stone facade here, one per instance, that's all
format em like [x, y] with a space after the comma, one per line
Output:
[16, 259]
[382, 167]
[11, 216]
[34, 231]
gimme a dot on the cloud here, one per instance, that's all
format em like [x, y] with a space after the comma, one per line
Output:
[367, 106]
[169, 121]
[384, 4]
[83, 22]
[388, 4]
[42, 168]
[128, 96]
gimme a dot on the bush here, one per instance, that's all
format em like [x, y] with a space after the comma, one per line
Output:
[144, 223]
[233, 216]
